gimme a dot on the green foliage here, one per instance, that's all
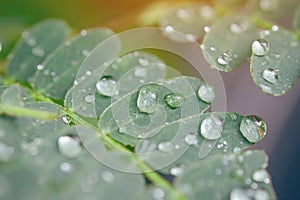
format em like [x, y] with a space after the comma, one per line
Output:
[129, 110]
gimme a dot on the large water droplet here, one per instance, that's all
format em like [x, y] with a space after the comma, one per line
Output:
[211, 127]
[225, 58]
[69, 146]
[253, 128]
[270, 75]
[206, 93]
[107, 86]
[174, 100]
[38, 51]
[260, 175]
[239, 194]
[147, 100]
[260, 47]
[191, 139]
[6, 152]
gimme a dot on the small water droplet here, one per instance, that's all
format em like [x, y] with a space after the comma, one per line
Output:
[206, 93]
[89, 98]
[176, 171]
[206, 29]
[268, 5]
[211, 127]
[191, 139]
[140, 72]
[66, 119]
[260, 47]
[212, 49]
[30, 41]
[218, 172]
[239, 194]
[83, 32]
[275, 28]
[225, 58]
[233, 116]
[169, 29]
[163, 146]
[184, 13]
[238, 28]
[88, 73]
[207, 12]
[236, 149]
[147, 100]
[107, 176]
[158, 193]
[85, 52]
[261, 195]
[38, 51]
[260, 175]
[270, 75]
[143, 61]
[66, 167]
[190, 37]
[174, 100]
[107, 86]
[239, 172]
[40, 67]
[253, 128]
[6, 152]
[69, 146]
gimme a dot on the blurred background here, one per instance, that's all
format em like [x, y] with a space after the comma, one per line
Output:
[282, 114]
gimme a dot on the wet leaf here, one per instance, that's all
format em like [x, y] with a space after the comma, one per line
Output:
[228, 176]
[278, 68]
[36, 44]
[228, 44]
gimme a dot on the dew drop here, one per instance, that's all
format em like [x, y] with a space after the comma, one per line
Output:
[83, 32]
[30, 41]
[40, 67]
[143, 61]
[191, 139]
[89, 98]
[212, 49]
[275, 28]
[207, 12]
[176, 171]
[69, 146]
[174, 100]
[66, 167]
[108, 177]
[238, 28]
[6, 152]
[140, 72]
[66, 119]
[85, 52]
[270, 75]
[147, 100]
[183, 13]
[225, 58]
[163, 146]
[239, 194]
[206, 93]
[211, 127]
[261, 195]
[268, 5]
[158, 193]
[206, 29]
[253, 128]
[260, 47]
[107, 86]
[38, 51]
[260, 175]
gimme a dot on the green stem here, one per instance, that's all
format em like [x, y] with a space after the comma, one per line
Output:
[111, 143]
[26, 112]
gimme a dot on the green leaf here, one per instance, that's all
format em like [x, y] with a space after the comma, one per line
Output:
[186, 24]
[296, 20]
[36, 44]
[126, 122]
[1, 81]
[59, 70]
[228, 44]
[276, 71]
[128, 72]
[228, 177]
[182, 142]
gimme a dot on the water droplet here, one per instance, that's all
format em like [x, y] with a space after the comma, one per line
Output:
[40, 67]
[38, 51]
[143, 61]
[190, 37]
[206, 93]
[163, 146]
[83, 32]
[260, 47]
[206, 29]
[212, 49]
[30, 41]
[107, 86]
[239, 172]
[158, 193]
[69, 146]
[191, 139]
[270, 75]
[66, 167]
[6, 152]
[147, 100]
[233, 116]
[207, 12]
[236, 149]
[225, 58]
[85, 52]
[107, 176]
[89, 98]
[176, 171]
[260, 175]
[184, 13]
[239, 194]
[140, 72]
[169, 29]
[268, 5]
[218, 172]
[88, 73]
[66, 119]
[238, 28]
[253, 128]
[261, 195]
[174, 100]
[211, 127]
[275, 28]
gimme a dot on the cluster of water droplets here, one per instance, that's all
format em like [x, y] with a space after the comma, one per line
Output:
[253, 128]
[32, 42]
